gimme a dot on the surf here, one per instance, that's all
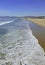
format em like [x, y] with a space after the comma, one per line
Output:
[7, 22]
[20, 46]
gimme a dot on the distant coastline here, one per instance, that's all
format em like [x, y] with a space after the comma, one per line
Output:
[40, 20]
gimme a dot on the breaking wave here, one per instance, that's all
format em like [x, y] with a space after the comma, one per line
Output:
[2, 23]
[20, 47]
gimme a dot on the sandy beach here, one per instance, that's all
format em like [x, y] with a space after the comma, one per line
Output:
[40, 22]
[38, 29]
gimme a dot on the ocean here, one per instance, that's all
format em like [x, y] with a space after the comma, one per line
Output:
[18, 46]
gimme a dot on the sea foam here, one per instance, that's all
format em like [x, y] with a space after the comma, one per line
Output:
[2, 23]
[20, 47]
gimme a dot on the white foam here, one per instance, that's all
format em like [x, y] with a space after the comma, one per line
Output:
[2, 23]
[21, 47]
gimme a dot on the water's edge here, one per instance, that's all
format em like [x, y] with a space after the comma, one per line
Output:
[19, 46]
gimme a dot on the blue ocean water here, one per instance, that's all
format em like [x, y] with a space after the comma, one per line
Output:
[18, 45]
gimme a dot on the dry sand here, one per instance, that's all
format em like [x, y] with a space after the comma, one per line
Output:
[37, 21]
[41, 34]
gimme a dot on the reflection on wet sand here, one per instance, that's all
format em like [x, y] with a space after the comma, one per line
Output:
[39, 33]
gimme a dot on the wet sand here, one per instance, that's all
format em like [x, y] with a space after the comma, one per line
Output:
[38, 21]
[39, 32]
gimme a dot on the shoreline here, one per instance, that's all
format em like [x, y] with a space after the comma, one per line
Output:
[38, 32]
[40, 22]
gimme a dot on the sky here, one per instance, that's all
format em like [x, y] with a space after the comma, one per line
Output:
[22, 7]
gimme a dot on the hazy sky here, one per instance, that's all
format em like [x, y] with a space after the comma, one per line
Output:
[22, 7]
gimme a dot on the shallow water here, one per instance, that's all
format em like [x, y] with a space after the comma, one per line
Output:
[39, 33]
[18, 45]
